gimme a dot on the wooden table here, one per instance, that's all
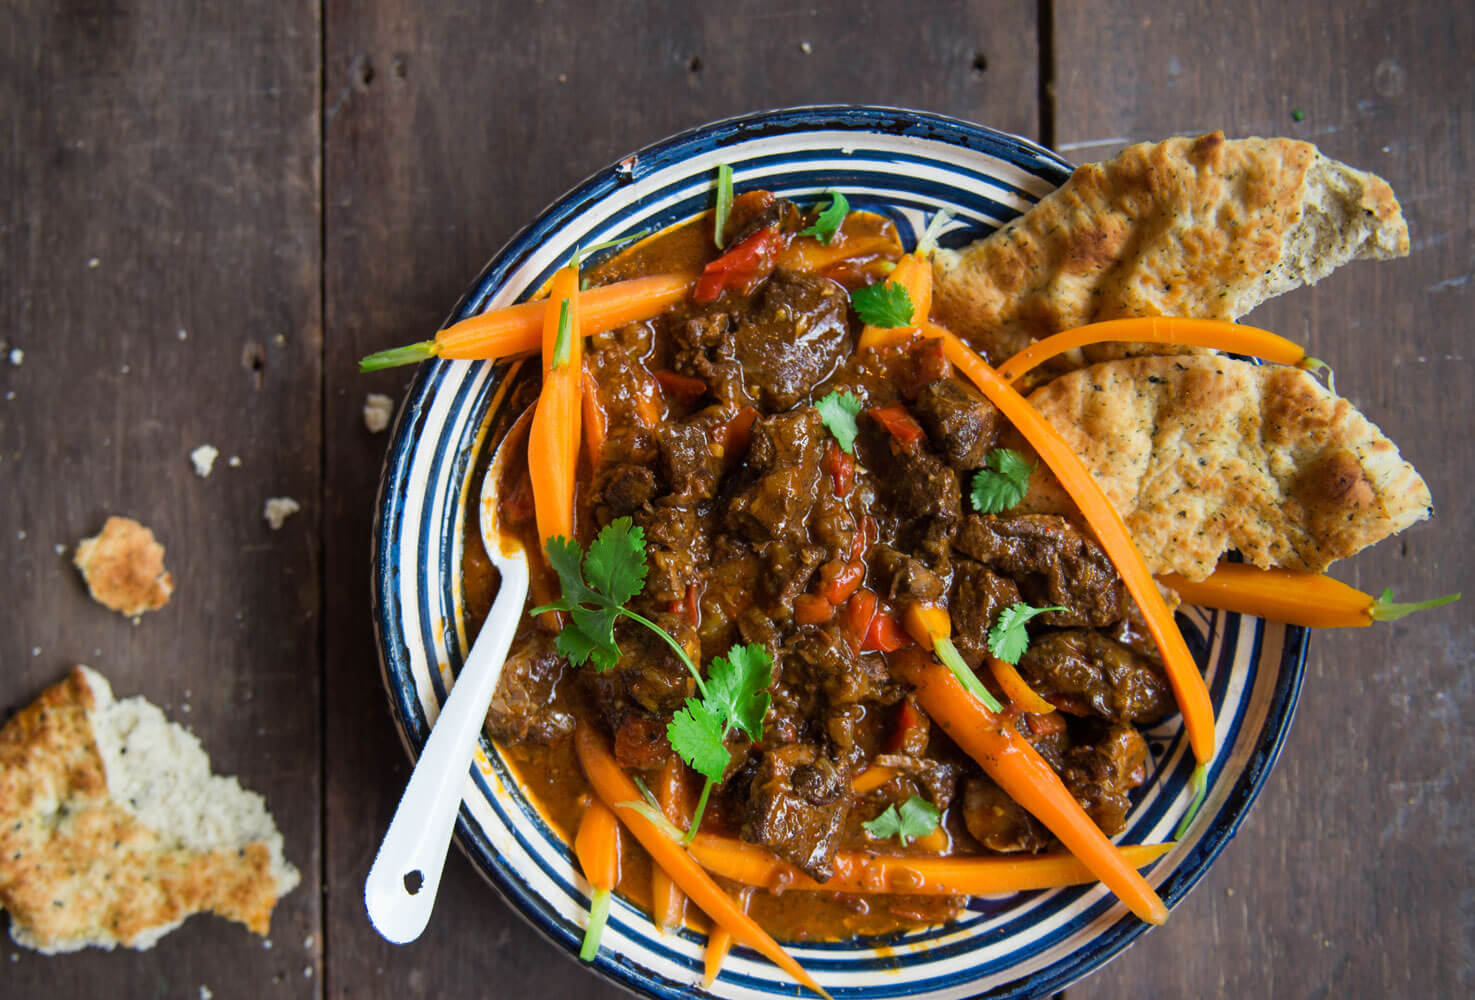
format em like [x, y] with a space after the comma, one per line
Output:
[210, 211]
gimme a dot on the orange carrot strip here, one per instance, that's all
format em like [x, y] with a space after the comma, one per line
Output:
[719, 943]
[1025, 777]
[553, 438]
[862, 872]
[1017, 689]
[871, 779]
[668, 902]
[1183, 674]
[1283, 595]
[597, 846]
[511, 330]
[594, 419]
[915, 275]
[618, 792]
[805, 253]
[1178, 331]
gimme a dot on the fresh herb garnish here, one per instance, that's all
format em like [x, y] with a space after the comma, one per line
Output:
[928, 242]
[916, 818]
[1002, 483]
[839, 411]
[596, 587]
[1297, 115]
[724, 202]
[827, 223]
[577, 260]
[884, 305]
[561, 342]
[1008, 639]
[736, 697]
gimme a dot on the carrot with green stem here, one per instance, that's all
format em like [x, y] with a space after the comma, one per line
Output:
[615, 789]
[510, 330]
[867, 873]
[1175, 331]
[1310, 599]
[667, 901]
[553, 437]
[719, 943]
[1183, 674]
[1025, 776]
[597, 846]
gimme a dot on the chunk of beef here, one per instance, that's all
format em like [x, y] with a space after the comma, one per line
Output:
[998, 822]
[783, 465]
[793, 337]
[755, 210]
[978, 597]
[650, 678]
[621, 488]
[788, 571]
[935, 780]
[924, 493]
[1098, 675]
[703, 346]
[902, 576]
[817, 658]
[641, 743]
[628, 392]
[1107, 762]
[797, 806]
[960, 422]
[1053, 563]
[687, 461]
[676, 548]
[522, 709]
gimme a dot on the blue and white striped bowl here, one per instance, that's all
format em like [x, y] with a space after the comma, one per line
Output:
[907, 165]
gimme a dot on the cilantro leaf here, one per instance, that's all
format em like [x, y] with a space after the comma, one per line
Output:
[696, 733]
[827, 223]
[839, 411]
[597, 628]
[917, 818]
[1002, 483]
[884, 305]
[565, 558]
[1008, 639]
[737, 686]
[616, 561]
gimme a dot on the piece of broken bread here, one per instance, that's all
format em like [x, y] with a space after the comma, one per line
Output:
[1202, 454]
[1202, 227]
[113, 830]
[124, 567]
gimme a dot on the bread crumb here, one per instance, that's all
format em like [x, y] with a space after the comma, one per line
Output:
[183, 334]
[234, 461]
[21, 535]
[278, 509]
[125, 369]
[307, 942]
[124, 567]
[35, 650]
[806, 48]
[378, 409]
[59, 549]
[204, 459]
[17, 356]
[205, 993]
[93, 262]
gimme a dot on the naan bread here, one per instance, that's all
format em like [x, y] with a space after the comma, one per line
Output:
[1188, 227]
[1203, 454]
[113, 830]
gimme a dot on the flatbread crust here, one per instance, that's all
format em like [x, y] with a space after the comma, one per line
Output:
[1199, 227]
[91, 854]
[1203, 454]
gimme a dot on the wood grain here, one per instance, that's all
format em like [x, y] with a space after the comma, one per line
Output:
[160, 175]
[446, 130]
[1351, 877]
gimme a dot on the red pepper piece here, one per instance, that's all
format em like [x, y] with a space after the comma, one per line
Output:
[885, 634]
[838, 580]
[898, 423]
[841, 468]
[740, 267]
[682, 388]
[860, 610]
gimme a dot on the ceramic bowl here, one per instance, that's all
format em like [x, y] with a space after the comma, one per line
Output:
[906, 165]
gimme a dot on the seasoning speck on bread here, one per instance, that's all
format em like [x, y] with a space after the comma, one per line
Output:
[124, 567]
[113, 830]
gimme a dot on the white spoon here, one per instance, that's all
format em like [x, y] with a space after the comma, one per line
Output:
[400, 890]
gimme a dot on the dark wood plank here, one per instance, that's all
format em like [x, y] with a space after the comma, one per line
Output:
[447, 128]
[1351, 877]
[160, 174]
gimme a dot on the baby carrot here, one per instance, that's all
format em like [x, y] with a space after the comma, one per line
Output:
[668, 902]
[597, 846]
[553, 438]
[1283, 595]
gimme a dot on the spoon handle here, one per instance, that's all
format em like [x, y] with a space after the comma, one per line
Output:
[400, 890]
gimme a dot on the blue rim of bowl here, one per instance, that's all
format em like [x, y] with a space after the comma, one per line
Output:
[394, 667]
